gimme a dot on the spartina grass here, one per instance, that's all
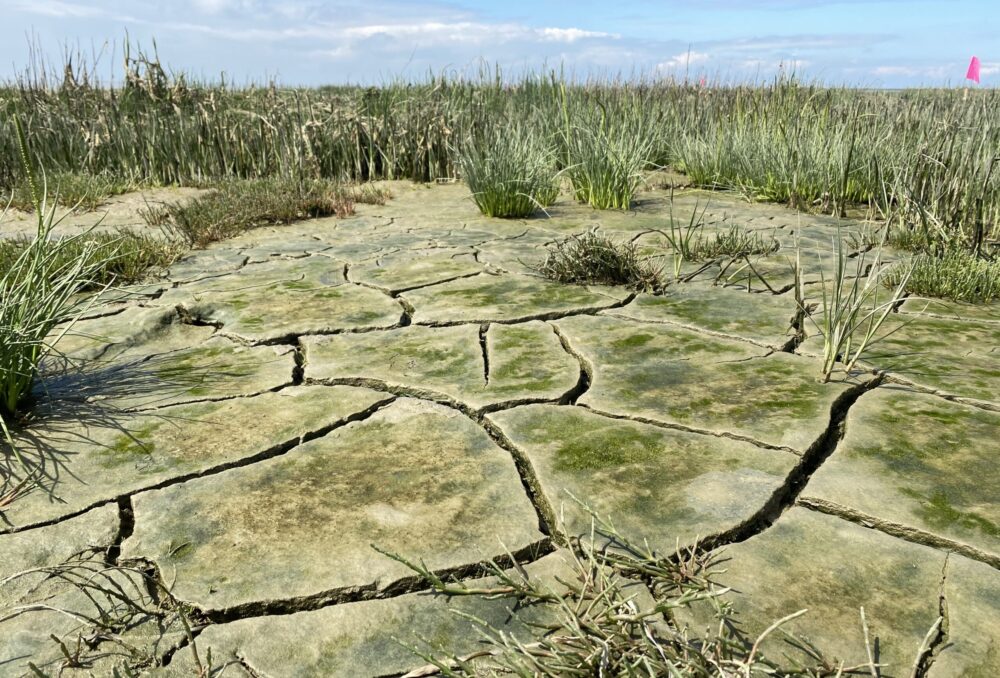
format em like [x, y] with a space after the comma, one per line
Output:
[853, 309]
[73, 189]
[688, 243]
[592, 258]
[924, 159]
[956, 276]
[683, 236]
[605, 159]
[241, 205]
[606, 167]
[737, 242]
[38, 293]
[121, 257]
[510, 171]
[39, 304]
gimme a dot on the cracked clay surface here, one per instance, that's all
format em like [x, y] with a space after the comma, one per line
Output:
[246, 428]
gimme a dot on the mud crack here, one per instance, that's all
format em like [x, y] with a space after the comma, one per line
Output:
[544, 316]
[813, 458]
[263, 455]
[484, 347]
[904, 532]
[586, 377]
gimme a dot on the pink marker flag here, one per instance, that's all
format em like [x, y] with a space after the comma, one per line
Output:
[973, 73]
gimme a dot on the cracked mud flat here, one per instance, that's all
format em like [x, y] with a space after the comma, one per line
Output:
[245, 429]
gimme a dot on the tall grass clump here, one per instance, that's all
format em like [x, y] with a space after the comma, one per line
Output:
[118, 258]
[241, 205]
[38, 293]
[852, 309]
[606, 161]
[510, 171]
[592, 258]
[956, 276]
[781, 143]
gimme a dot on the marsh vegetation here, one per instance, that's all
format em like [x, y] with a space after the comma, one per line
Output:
[918, 164]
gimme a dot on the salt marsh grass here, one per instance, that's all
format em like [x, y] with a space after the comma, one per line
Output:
[74, 189]
[237, 206]
[38, 293]
[121, 258]
[598, 623]
[606, 163]
[510, 171]
[853, 309]
[956, 276]
[925, 161]
[919, 158]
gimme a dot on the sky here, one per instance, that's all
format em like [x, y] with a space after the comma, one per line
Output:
[867, 43]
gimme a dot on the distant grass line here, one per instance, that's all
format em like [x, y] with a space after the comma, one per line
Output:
[922, 158]
[238, 206]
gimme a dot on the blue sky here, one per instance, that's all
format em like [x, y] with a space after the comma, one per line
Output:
[881, 43]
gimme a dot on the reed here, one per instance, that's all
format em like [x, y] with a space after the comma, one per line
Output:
[925, 160]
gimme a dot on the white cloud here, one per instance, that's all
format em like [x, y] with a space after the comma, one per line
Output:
[470, 32]
[787, 65]
[683, 61]
[55, 8]
[571, 34]
[936, 72]
[325, 40]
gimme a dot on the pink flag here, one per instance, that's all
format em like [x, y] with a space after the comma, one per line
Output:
[973, 73]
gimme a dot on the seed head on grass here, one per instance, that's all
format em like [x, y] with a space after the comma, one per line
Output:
[510, 172]
[597, 259]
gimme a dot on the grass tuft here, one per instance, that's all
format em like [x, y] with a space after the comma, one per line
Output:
[239, 206]
[38, 292]
[738, 241]
[852, 312]
[606, 165]
[71, 189]
[118, 258]
[596, 259]
[689, 244]
[956, 276]
[510, 172]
